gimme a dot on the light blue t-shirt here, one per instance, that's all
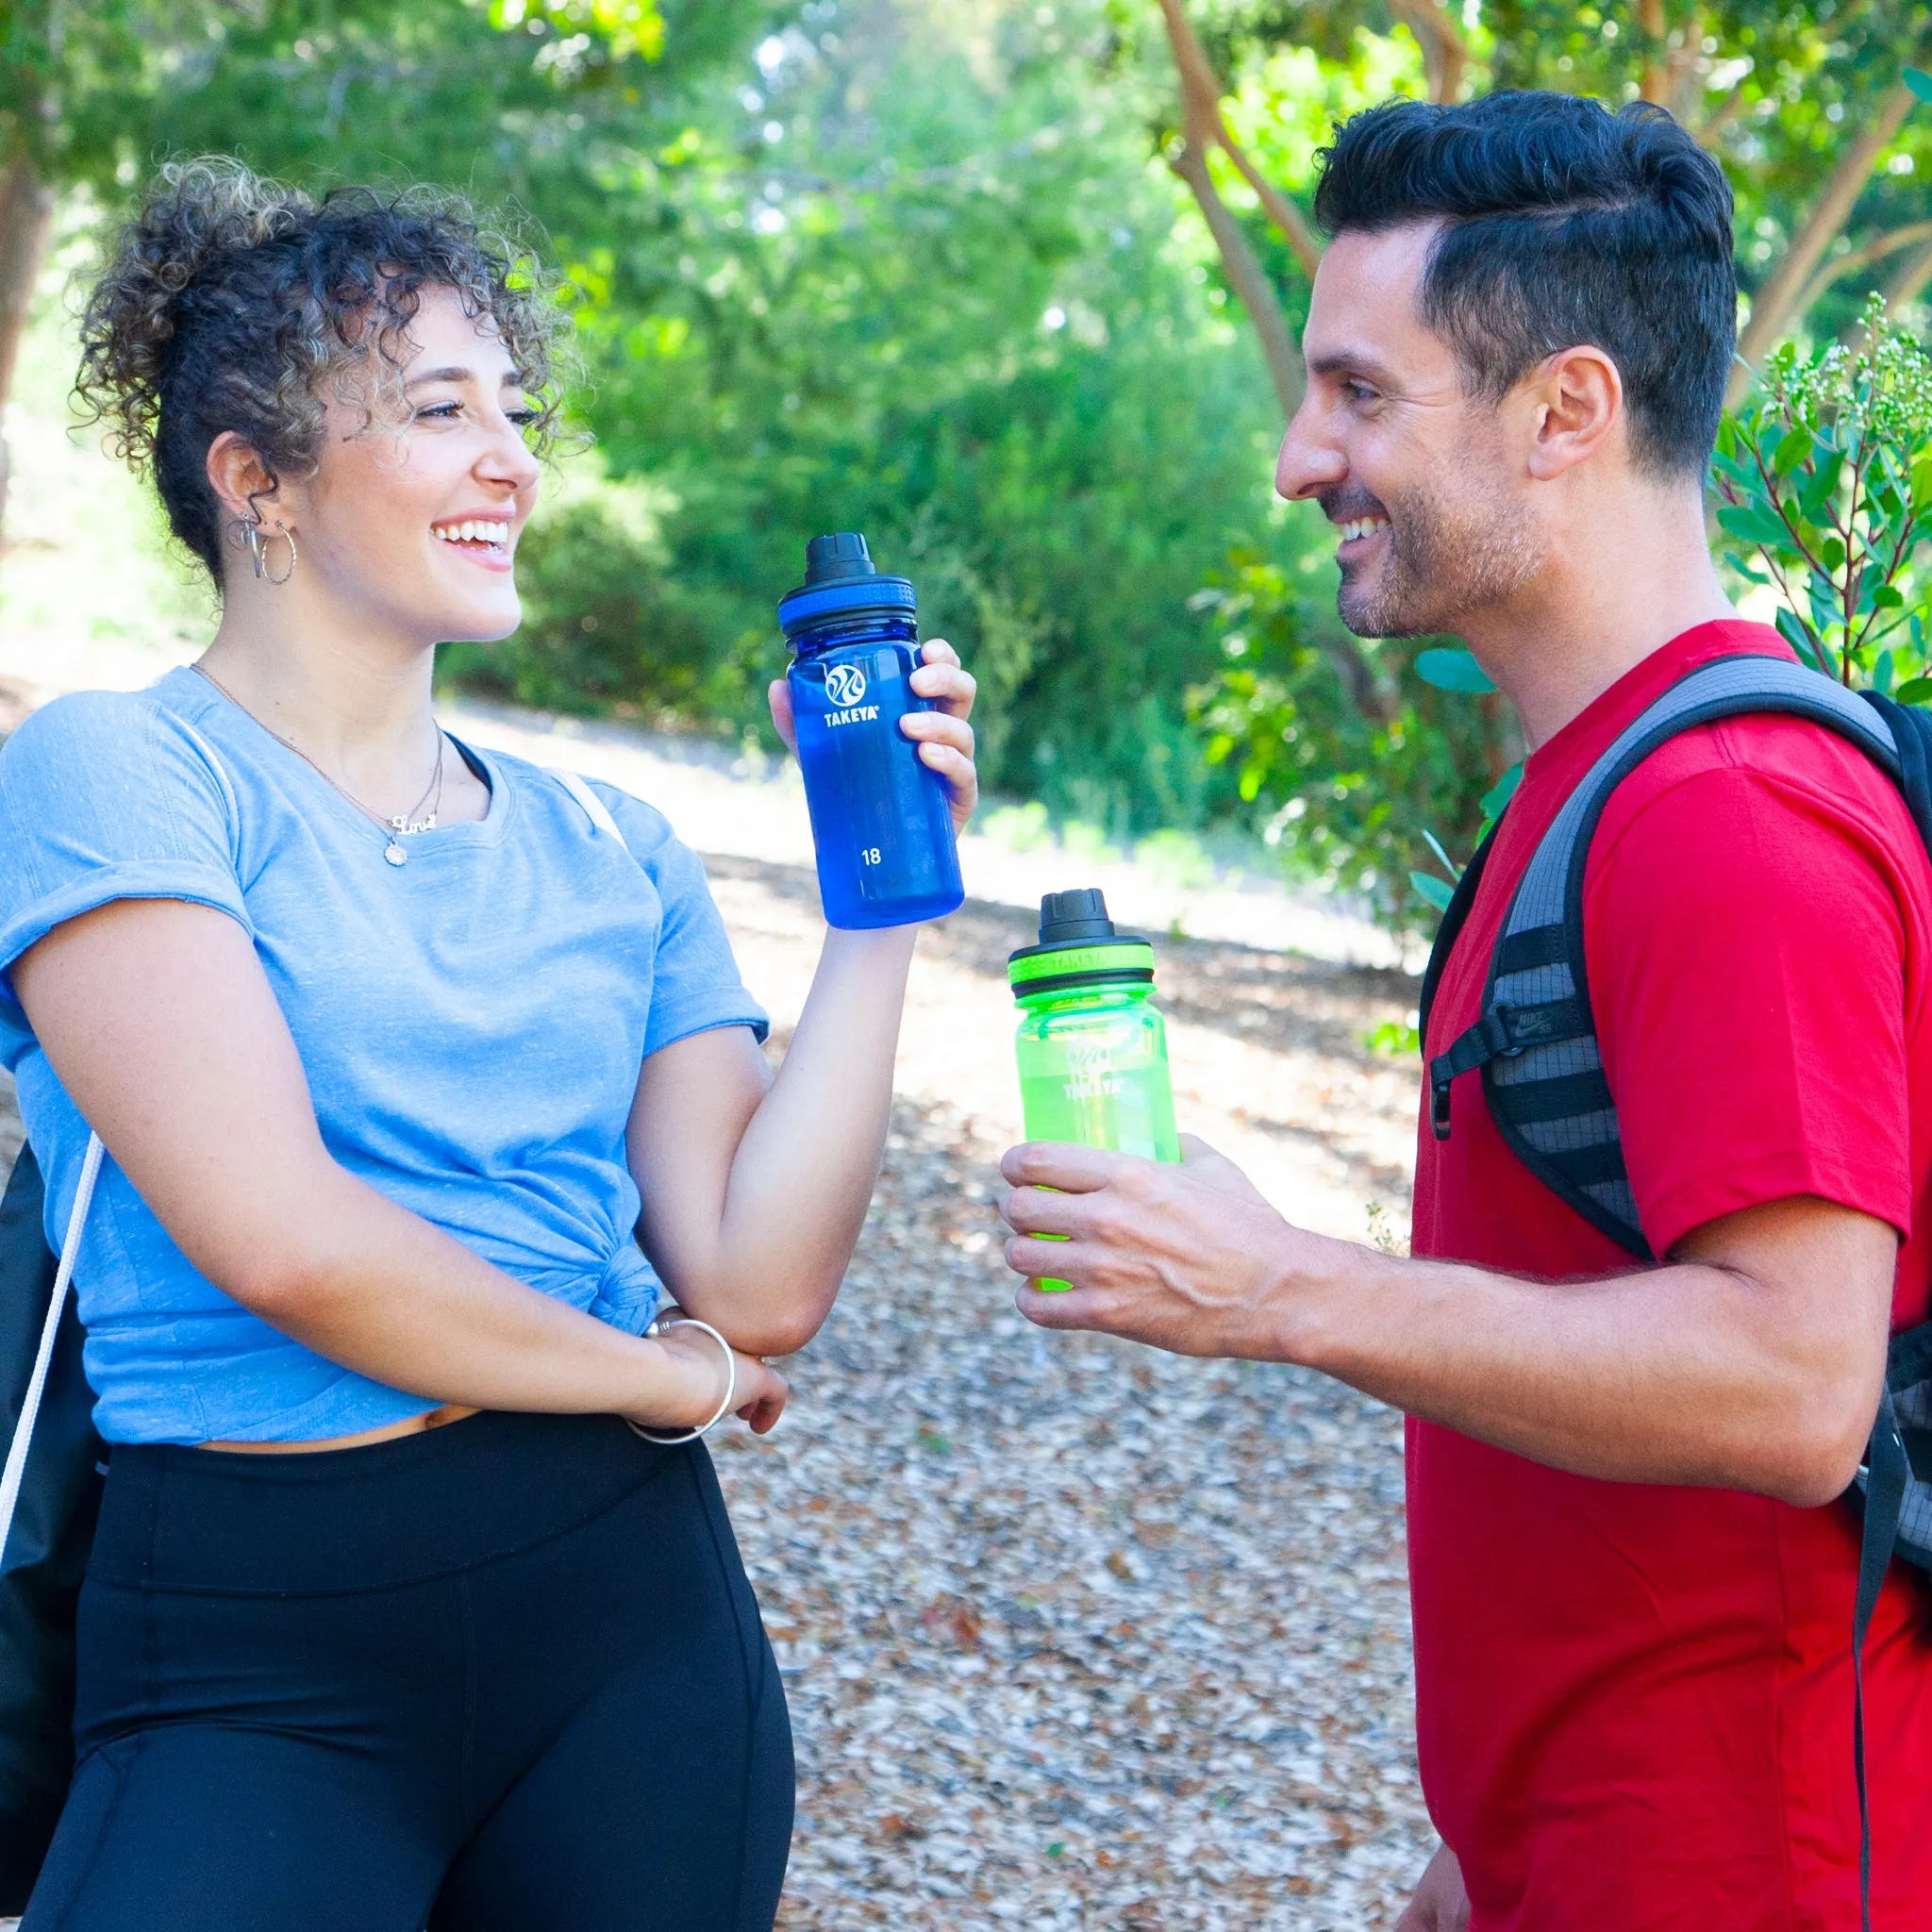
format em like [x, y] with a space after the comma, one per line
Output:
[471, 1024]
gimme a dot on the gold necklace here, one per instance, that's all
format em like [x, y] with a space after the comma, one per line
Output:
[400, 826]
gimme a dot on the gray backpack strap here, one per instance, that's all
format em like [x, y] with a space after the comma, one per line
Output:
[1536, 1042]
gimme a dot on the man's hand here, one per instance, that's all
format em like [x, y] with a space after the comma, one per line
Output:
[1184, 1258]
[1441, 1904]
[1750, 1360]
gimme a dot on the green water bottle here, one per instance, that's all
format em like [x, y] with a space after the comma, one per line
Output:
[1092, 1045]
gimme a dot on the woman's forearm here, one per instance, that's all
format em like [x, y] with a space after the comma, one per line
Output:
[756, 1236]
[373, 1287]
[160, 1023]
[805, 1169]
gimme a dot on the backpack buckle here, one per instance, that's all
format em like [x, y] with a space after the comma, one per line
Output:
[1496, 1033]
[1492, 1037]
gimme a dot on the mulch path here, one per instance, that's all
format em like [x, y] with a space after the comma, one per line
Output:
[1075, 1634]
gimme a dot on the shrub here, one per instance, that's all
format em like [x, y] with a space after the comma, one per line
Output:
[605, 629]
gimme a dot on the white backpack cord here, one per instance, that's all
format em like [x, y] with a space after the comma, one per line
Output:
[12, 1477]
[595, 808]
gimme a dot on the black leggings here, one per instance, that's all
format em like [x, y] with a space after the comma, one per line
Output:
[503, 1677]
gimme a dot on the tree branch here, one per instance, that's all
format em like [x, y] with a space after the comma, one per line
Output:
[1438, 34]
[1245, 275]
[1374, 697]
[1705, 132]
[1201, 98]
[1911, 275]
[1775, 305]
[1835, 267]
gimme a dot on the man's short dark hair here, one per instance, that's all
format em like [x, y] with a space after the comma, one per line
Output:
[1564, 224]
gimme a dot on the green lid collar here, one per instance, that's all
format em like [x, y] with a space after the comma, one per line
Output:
[1111, 959]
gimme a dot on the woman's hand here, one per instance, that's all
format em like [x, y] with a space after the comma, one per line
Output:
[944, 736]
[1441, 1904]
[697, 1383]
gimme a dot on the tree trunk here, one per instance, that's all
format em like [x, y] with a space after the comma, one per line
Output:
[1775, 308]
[1246, 277]
[1655, 83]
[1373, 697]
[1201, 103]
[27, 219]
[1446, 52]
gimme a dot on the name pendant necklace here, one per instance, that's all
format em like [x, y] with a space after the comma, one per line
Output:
[399, 827]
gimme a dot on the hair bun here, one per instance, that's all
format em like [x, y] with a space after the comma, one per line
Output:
[198, 212]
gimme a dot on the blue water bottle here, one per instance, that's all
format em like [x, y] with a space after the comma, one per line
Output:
[879, 816]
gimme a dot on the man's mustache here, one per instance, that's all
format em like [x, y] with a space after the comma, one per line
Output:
[1347, 505]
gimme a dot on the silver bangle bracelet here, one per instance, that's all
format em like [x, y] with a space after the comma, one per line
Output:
[723, 1408]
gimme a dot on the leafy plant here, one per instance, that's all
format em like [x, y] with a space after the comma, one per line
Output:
[1341, 789]
[1824, 480]
[1451, 668]
[606, 627]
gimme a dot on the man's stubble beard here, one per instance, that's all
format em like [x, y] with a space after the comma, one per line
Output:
[1440, 569]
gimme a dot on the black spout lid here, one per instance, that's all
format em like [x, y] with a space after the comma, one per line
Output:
[841, 582]
[1068, 918]
[1079, 946]
[841, 556]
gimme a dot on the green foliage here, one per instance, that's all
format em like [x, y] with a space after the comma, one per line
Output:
[517, 101]
[916, 266]
[606, 627]
[907, 270]
[1431, 890]
[1345, 793]
[1824, 481]
[1394, 1038]
[1774, 88]
[1452, 670]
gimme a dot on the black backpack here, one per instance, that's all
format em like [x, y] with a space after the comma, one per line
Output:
[1542, 1076]
[46, 1548]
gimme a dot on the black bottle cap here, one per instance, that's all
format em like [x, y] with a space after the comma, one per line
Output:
[843, 555]
[841, 583]
[1078, 947]
[1069, 918]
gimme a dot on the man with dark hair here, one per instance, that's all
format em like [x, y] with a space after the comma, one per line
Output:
[1632, 1576]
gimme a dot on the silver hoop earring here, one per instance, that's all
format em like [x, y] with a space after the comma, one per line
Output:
[258, 547]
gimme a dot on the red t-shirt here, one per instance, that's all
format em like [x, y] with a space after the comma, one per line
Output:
[1634, 1702]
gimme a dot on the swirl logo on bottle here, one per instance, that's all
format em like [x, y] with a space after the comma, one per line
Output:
[844, 684]
[1089, 1061]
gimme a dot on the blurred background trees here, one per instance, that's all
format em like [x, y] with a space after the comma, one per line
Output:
[1015, 285]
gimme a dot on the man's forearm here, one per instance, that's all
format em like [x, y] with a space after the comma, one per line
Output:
[1689, 1373]
[1753, 1362]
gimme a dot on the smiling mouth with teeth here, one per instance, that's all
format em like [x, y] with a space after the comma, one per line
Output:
[1361, 526]
[483, 536]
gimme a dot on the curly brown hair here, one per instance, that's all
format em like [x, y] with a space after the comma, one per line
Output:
[231, 301]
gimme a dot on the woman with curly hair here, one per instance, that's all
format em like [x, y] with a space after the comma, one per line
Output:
[399, 1049]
